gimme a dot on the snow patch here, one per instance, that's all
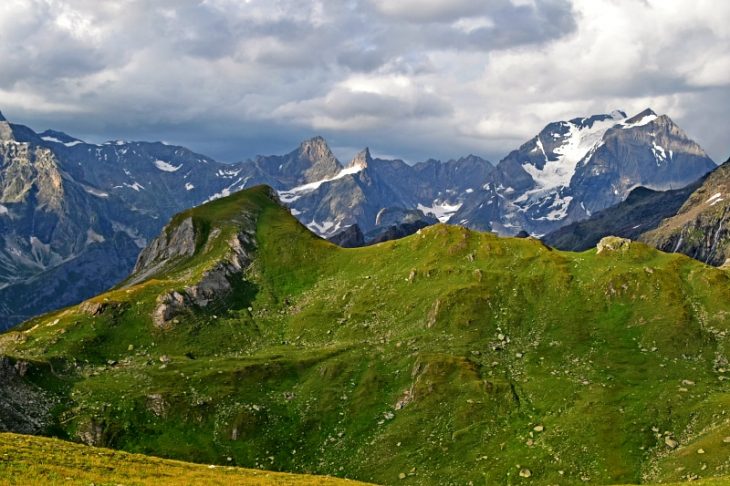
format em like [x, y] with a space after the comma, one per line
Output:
[440, 210]
[645, 120]
[95, 192]
[136, 186]
[714, 199]
[67, 144]
[659, 153]
[3, 210]
[577, 143]
[295, 193]
[166, 166]
[321, 228]
[93, 237]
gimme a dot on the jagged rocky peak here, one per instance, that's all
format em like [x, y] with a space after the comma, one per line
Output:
[6, 132]
[317, 154]
[315, 148]
[361, 160]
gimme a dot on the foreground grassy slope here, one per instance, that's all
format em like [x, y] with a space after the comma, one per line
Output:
[444, 358]
[26, 460]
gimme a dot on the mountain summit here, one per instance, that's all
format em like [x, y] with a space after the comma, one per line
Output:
[574, 168]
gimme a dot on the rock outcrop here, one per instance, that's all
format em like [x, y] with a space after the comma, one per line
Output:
[613, 244]
[24, 408]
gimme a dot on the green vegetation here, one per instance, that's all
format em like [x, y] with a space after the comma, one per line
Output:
[448, 357]
[27, 460]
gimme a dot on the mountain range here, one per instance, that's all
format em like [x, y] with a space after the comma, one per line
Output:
[75, 215]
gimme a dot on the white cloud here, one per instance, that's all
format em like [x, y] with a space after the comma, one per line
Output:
[415, 77]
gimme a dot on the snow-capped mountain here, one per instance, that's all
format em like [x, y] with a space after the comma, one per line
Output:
[576, 167]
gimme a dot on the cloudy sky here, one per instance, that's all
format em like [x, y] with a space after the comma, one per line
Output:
[410, 78]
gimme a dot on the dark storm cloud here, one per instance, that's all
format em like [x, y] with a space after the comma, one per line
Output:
[415, 78]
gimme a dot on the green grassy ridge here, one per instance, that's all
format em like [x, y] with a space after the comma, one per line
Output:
[393, 360]
[27, 460]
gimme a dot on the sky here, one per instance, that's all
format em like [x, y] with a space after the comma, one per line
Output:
[413, 79]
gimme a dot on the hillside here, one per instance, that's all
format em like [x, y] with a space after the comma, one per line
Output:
[699, 228]
[449, 356]
[37, 460]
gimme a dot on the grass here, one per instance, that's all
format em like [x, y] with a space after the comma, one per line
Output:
[426, 360]
[27, 460]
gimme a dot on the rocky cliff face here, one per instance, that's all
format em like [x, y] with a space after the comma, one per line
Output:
[700, 227]
[49, 225]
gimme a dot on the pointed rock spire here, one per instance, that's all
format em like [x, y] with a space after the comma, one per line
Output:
[315, 148]
[362, 159]
[315, 161]
[6, 132]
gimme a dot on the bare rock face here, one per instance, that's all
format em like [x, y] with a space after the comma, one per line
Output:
[613, 243]
[172, 243]
[91, 433]
[24, 408]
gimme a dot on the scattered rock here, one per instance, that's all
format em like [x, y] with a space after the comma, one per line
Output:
[538, 428]
[402, 475]
[525, 473]
[671, 442]
[700, 451]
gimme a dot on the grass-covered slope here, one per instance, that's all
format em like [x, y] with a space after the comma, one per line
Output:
[28, 460]
[447, 357]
